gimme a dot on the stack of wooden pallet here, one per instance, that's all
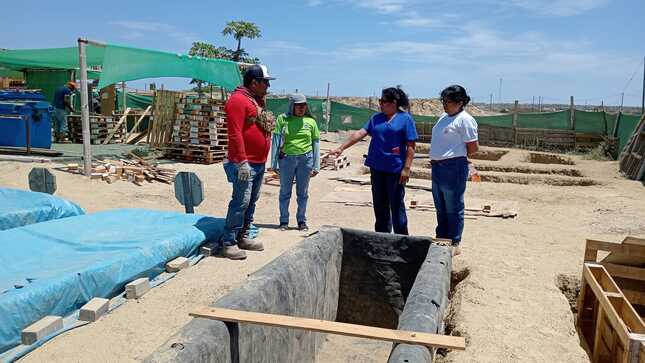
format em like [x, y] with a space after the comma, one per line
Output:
[611, 301]
[100, 129]
[199, 132]
[135, 171]
[632, 159]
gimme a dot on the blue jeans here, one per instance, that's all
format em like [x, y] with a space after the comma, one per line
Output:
[242, 205]
[388, 196]
[60, 121]
[448, 188]
[300, 167]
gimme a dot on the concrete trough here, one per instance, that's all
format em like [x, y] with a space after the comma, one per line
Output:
[345, 275]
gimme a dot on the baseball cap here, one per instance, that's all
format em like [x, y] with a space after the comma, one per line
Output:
[257, 71]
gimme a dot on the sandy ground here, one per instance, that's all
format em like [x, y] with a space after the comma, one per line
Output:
[508, 308]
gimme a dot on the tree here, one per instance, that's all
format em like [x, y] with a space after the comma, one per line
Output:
[207, 50]
[241, 29]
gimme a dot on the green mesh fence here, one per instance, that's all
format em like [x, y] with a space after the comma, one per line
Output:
[626, 127]
[47, 81]
[133, 100]
[591, 122]
[560, 120]
[496, 121]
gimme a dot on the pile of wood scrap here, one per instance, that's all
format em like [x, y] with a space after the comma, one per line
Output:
[136, 171]
[103, 129]
[365, 180]
[477, 209]
[332, 162]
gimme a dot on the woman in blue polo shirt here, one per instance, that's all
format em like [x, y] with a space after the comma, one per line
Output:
[389, 158]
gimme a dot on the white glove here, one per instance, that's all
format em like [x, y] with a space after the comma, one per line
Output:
[244, 172]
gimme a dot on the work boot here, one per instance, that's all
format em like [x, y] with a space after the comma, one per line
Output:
[284, 226]
[233, 252]
[250, 245]
[302, 226]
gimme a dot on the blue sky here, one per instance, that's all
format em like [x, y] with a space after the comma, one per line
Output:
[550, 48]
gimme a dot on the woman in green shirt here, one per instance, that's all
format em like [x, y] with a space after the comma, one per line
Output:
[295, 154]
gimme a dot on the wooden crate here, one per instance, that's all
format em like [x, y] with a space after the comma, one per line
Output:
[610, 326]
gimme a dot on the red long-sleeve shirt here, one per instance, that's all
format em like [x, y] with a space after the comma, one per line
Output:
[246, 141]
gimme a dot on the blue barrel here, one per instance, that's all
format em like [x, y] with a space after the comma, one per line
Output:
[21, 95]
[16, 115]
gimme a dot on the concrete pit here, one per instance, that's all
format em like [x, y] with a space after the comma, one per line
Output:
[541, 158]
[345, 275]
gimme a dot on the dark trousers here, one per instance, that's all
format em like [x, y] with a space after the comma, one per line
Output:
[448, 187]
[389, 206]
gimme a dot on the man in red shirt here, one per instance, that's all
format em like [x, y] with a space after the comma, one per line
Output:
[249, 132]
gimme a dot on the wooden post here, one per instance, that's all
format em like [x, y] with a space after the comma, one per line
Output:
[515, 117]
[572, 110]
[604, 115]
[328, 109]
[85, 110]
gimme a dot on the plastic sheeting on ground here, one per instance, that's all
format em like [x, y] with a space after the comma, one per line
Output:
[22, 207]
[54, 267]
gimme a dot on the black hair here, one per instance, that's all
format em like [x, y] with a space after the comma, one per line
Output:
[248, 78]
[397, 95]
[456, 93]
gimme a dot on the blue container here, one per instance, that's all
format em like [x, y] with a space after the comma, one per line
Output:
[21, 95]
[14, 118]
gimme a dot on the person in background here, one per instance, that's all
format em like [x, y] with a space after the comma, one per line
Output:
[249, 141]
[62, 107]
[295, 154]
[454, 137]
[390, 155]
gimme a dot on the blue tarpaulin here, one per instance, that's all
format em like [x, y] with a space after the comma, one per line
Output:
[54, 267]
[22, 207]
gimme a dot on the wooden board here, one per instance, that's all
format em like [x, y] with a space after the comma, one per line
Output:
[332, 327]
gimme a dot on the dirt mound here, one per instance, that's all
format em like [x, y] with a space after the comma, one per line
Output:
[420, 106]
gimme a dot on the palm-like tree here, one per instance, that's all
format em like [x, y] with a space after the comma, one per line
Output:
[239, 30]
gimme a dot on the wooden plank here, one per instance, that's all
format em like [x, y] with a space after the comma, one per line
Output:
[136, 124]
[618, 248]
[118, 125]
[627, 272]
[332, 327]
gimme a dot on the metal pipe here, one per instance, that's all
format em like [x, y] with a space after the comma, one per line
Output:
[85, 111]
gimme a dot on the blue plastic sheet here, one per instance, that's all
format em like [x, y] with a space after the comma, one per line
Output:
[54, 267]
[22, 207]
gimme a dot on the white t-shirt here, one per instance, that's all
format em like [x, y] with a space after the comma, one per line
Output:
[450, 135]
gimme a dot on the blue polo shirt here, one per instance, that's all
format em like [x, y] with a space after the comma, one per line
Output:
[59, 97]
[388, 147]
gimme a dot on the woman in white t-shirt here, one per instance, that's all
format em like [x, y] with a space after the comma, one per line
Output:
[454, 137]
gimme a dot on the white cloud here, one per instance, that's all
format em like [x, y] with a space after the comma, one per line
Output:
[417, 22]
[314, 2]
[559, 7]
[133, 30]
[383, 6]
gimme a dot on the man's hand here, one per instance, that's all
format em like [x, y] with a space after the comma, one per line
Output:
[336, 152]
[244, 172]
[314, 173]
[405, 176]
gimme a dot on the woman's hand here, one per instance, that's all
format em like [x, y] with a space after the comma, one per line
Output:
[405, 176]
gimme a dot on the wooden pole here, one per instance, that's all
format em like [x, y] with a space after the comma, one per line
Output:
[515, 116]
[604, 115]
[643, 98]
[572, 111]
[328, 109]
[85, 111]
[490, 105]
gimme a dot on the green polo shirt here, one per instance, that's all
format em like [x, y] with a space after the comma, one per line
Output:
[299, 133]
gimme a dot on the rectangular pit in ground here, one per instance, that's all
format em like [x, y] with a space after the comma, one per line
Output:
[338, 275]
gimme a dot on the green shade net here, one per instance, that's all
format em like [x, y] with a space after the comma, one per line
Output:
[133, 100]
[591, 122]
[560, 120]
[56, 58]
[127, 64]
[626, 127]
[10, 73]
[495, 121]
[120, 63]
[47, 81]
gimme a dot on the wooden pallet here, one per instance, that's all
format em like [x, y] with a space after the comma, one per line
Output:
[202, 154]
[609, 325]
